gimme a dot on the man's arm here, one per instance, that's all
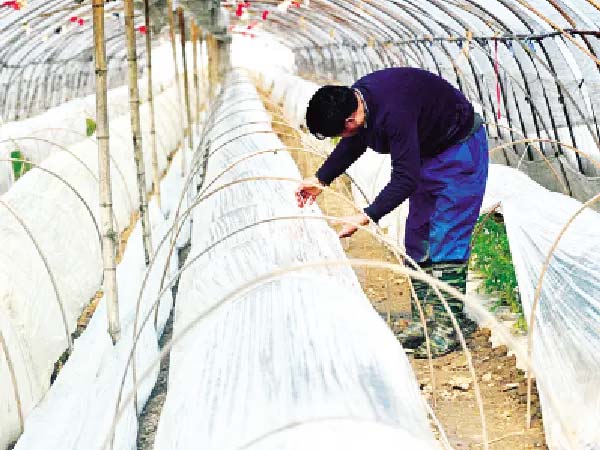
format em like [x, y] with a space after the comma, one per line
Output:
[406, 167]
[345, 153]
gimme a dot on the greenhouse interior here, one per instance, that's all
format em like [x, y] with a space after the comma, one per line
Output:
[299, 225]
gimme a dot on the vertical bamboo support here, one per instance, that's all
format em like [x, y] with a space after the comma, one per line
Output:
[213, 62]
[186, 86]
[201, 70]
[196, 79]
[109, 236]
[134, 103]
[177, 80]
[155, 172]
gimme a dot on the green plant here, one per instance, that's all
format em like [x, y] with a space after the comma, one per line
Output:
[491, 257]
[90, 127]
[19, 167]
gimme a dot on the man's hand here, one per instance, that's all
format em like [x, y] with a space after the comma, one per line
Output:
[308, 191]
[351, 223]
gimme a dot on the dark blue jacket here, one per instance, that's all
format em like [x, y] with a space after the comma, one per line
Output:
[412, 114]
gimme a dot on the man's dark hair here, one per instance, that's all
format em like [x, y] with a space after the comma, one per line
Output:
[328, 110]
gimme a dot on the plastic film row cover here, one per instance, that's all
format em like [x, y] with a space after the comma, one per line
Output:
[566, 334]
[30, 318]
[298, 361]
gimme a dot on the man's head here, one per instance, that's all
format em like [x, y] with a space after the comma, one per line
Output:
[333, 111]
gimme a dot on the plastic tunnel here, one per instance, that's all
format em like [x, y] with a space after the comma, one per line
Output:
[161, 289]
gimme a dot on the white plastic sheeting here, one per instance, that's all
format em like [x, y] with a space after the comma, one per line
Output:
[40, 136]
[60, 223]
[303, 356]
[78, 411]
[567, 330]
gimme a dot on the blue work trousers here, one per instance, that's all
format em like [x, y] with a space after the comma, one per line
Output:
[445, 206]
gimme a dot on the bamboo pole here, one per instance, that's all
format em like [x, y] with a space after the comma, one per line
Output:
[155, 172]
[177, 80]
[196, 78]
[194, 39]
[212, 64]
[186, 86]
[201, 70]
[136, 129]
[109, 236]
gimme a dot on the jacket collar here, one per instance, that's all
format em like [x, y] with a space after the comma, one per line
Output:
[364, 98]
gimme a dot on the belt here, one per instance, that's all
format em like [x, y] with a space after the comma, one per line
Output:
[477, 122]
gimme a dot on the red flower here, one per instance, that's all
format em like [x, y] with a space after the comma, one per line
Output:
[264, 15]
[73, 19]
[81, 21]
[142, 29]
[12, 4]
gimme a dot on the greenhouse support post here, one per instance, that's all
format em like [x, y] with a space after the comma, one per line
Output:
[155, 172]
[194, 38]
[200, 72]
[212, 65]
[109, 235]
[186, 86]
[223, 42]
[177, 80]
[136, 129]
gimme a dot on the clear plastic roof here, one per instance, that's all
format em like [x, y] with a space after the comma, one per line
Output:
[531, 66]
[541, 57]
[46, 53]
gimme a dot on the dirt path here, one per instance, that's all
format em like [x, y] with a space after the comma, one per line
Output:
[148, 420]
[502, 384]
[503, 390]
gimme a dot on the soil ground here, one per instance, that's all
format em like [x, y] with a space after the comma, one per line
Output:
[502, 385]
[148, 420]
